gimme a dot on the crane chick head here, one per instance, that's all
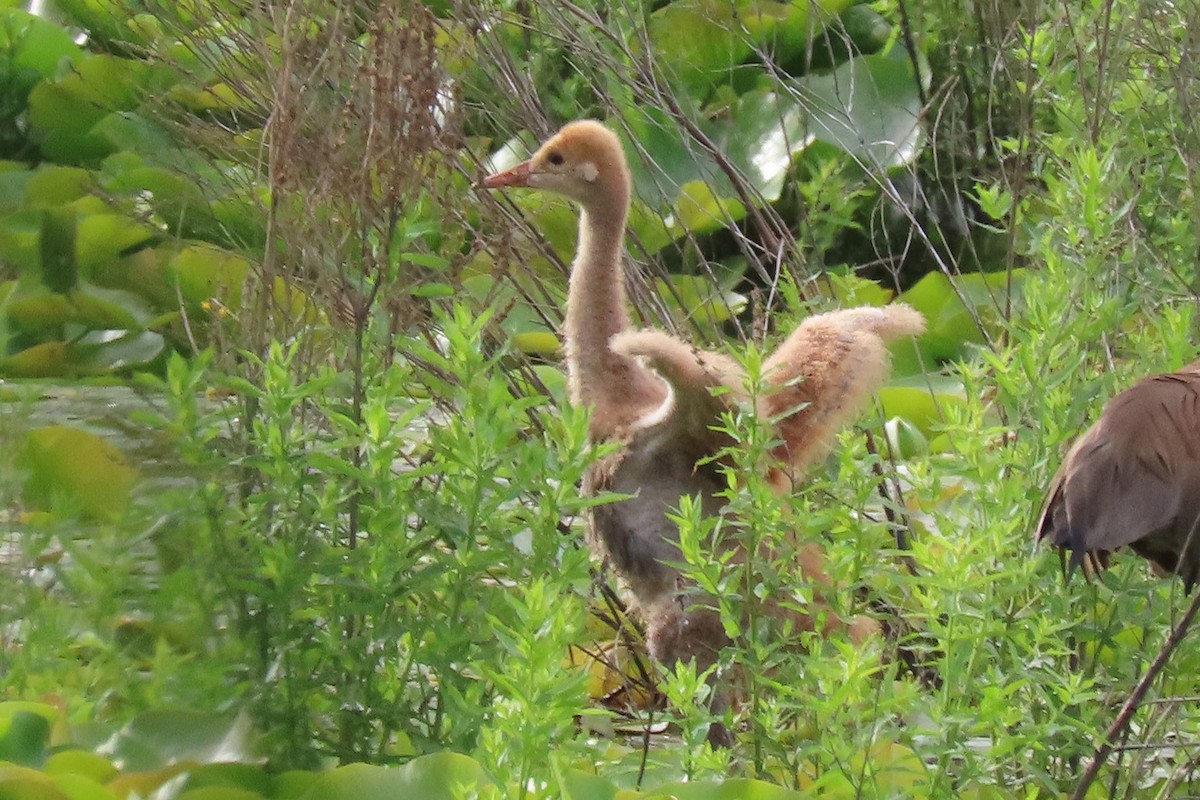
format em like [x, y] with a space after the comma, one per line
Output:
[584, 161]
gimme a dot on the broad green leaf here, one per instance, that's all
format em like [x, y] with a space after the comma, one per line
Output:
[62, 123]
[146, 783]
[851, 290]
[699, 300]
[101, 239]
[43, 310]
[103, 351]
[97, 307]
[81, 787]
[205, 271]
[20, 241]
[45, 360]
[79, 466]
[736, 789]
[37, 43]
[905, 439]
[128, 130]
[10, 708]
[868, 30]
[869, 107]
[23, 783]
[699, 210]
[90, 306]
[893, 769]
[293, 784]
[154, 739]
[12, 188]
[697, 42]
[243, 777]
[219, 793]
[433, 777]
[64, 112]
[788, 28]
[542, 343]
[52, 186]
[24, 739]
[80, 762]
[922, 406]
[951, 325]
[584, 786]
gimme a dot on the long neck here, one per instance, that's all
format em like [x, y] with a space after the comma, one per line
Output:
[596, 300]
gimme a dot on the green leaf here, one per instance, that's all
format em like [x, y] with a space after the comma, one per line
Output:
[43, 310]
[102, 238]
[922, 400]
[697, 41]
[96, 307]
[951, 324]
[699, 210]
[23, 783]
[13, 183]
[64, 113]
[34, 42]
[219, 793]
[81, 787]
[584, 786]
[433, 777]
[205, 271]
[25, 739]
[537, 343]
[52, 186]
[91, 474]
[112, 350]
[736, 789]
[700, 300]
[870, 107]
[80, 762]
[157, 738]
[60, 272]
[45, 360]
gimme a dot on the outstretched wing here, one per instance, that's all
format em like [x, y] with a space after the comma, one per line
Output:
[702, 384]
[823, 374]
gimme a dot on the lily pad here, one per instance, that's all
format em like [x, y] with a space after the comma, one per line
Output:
[157, 739]
[79, 467]
[33, 42]
[431, 777]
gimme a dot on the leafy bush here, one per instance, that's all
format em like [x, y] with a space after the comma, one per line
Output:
[267, 209]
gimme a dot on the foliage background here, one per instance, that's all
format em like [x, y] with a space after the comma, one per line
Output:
[341, 525]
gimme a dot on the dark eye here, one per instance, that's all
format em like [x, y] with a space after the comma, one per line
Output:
[556, 159]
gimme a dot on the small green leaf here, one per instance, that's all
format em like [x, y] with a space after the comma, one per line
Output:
[59, 270]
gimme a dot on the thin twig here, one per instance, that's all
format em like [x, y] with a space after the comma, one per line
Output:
[1135, 698]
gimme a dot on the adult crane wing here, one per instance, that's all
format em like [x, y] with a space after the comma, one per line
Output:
[1133, 479]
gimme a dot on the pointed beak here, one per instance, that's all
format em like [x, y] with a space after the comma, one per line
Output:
[517, 176]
